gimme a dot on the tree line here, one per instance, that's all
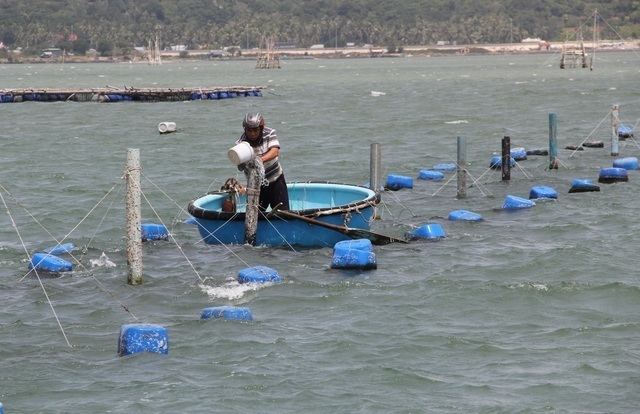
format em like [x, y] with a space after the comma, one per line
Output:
[117, 26]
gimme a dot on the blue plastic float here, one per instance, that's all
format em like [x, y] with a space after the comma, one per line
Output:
[613, 175]
[428, 231]
[396, 182]
[512, 202]
[583, 186]
[49, 263]
[227, 312]
[445, 167]
[629, 163]
[496, 162]
[538, 151]
[154, 232]
[625, 132]
[431, 175]
[518, 154]
[59, 249]
[139, 338]
[464, 215]
[258, 274]
[542, 192]
[354, 254]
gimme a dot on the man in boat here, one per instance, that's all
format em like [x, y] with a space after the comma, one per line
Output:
[266, 146]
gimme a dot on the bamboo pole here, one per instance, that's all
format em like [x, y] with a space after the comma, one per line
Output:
[614, 130]
[506, 159]
[553, 142]
[461, 171]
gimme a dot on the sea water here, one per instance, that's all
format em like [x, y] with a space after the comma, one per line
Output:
[532, 310]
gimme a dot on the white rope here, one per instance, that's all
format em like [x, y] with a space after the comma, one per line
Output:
[13, 223]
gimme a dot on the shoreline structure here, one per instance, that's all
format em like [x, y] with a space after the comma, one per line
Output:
[358, 52]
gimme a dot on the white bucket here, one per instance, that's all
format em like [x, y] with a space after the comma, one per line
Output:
[241, 153]
[166, 127]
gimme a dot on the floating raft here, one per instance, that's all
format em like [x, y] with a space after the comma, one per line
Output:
[114, 94]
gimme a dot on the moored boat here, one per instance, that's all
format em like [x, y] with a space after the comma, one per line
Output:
[328, 213]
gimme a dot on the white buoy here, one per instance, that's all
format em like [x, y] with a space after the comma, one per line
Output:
[167, 127]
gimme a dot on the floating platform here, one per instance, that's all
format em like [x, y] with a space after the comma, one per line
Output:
[115, 94]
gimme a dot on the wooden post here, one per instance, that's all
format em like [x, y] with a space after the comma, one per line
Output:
[506, 159]
[375, 158]
[553, 143]
[253, 201]
[134, 238]
[461, 170]
[614, 130]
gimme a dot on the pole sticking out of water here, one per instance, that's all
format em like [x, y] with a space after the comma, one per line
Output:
[253, 201]
[506, 159]
[375, 159]
[461, 171]
[553, 143]
[134, 222]
[614, 130]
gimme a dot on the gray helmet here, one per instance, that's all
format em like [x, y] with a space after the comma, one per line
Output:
[253, 120]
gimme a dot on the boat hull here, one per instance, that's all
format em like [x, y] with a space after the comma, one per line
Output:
[337, 204]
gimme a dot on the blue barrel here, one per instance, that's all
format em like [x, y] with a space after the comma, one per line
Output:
[583, 186]
[258, 93]
[396, 182]
[223, 95]
[518, 154]
[6, 98]
[593, 144]
[233, 95]
[541, 191]
[625, 132]
[49, 263]
[195, 96]
[227, 312]
[431, 175]
[428, 231]
[258, 274]
[250, 93]
[59, 249]
[464, 215]
[629, 163]
[496, 162]
[213, 95]
[613, 175]
[444, 167]
[139, 338]
[154, 232]
[348, 258]
[512, 202]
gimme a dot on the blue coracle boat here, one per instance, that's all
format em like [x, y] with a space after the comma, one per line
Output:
[321, 214]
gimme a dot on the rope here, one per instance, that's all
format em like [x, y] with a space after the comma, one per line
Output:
[13, 223]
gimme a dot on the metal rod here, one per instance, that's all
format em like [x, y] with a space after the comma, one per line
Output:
[553, 142]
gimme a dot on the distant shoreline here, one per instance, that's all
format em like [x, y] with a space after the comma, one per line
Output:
[351, 52]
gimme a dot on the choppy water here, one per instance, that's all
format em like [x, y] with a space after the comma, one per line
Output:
[529, 311]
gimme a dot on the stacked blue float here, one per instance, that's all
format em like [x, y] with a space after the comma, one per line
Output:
[354, 254]
[625, 132]
[48, 261]
[142, 338]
